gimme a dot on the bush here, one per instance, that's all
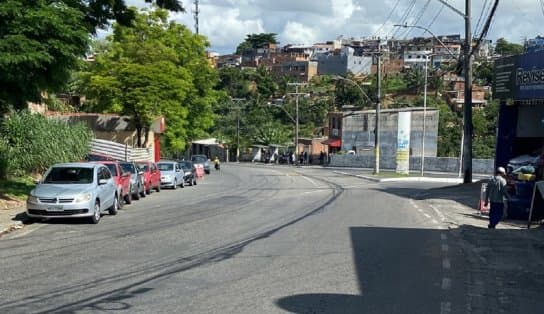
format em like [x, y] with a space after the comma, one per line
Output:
[4, 159]
[34, 143]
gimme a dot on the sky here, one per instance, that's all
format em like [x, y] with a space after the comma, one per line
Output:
[227, 22]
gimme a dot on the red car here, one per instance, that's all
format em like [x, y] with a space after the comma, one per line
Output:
[152, 176]
[122, 179]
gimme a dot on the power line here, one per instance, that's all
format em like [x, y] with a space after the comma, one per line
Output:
[484, 12]
[404, 17]
[418, 18]
[486, 27]
[542, 5]
[388, 18]
[434, 18]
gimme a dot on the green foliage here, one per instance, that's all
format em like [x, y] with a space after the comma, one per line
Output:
[34, 143]
[254, 41]
[483, 73]
[505, 48]
[55, 104]
[40, 42]
[449, 132]
[16, 188]
[155, 68]
[415, 80]
[484, 122]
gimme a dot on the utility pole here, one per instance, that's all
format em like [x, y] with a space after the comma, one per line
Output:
[238, 108]
[424, 114]
[297, 94]
[378, 103]
[467, 118]
[467, 112]
[196, 12]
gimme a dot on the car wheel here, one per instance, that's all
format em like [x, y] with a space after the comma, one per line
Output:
[175, 186]
[136, 195]
[148, 190]
[128, 198]
[142, 192]
[194, 181]
[115, 206]
[207, 171]
[158, 188]
[182, 185]
[120, 202]
[96, 215]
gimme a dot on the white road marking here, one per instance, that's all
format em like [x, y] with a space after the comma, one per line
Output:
[427, 215]
[443, 237]
[310, 180]
[446, 264]
[445, 307]
[420, 210]
[445, 248]
[438, 212]
[446, 283]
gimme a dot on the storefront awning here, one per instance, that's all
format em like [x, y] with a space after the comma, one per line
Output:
[333, 142]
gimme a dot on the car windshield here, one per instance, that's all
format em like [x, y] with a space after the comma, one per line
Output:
[128, 167]
[75, 175]
[165, 167]
[199, 159]
[186, 164]
[144, 167]
[113, 169]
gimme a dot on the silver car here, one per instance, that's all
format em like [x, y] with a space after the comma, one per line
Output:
[72, 190]
[136, 179]
[171, 174]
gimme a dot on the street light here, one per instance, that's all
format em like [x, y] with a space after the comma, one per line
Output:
[462, 149]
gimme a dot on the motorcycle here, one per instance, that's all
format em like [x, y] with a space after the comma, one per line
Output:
[217, 165]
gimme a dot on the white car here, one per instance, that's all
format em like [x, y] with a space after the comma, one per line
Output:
[71, 190]
[171, 174]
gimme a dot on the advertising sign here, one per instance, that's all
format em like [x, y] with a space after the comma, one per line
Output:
[530, 76]
[403, 142]
[504, 79]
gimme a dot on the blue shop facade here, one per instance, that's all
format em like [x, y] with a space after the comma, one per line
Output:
[519, 86]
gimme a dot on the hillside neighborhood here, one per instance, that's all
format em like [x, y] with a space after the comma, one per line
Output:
[143, 171]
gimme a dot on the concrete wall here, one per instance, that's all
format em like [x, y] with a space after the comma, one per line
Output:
[358, 132]
[440, 164]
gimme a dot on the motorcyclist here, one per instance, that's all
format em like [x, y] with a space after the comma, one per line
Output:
[216, 163]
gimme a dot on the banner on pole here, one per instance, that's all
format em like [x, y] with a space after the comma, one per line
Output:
[403, 142]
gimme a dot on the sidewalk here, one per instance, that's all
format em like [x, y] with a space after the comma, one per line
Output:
[11, 216]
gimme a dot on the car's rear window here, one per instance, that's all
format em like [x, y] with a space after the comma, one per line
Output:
[186, 164]
[74, 175]
[165, 167]
[199, 159]
[128, 167]
[113, 169]
[144, 167]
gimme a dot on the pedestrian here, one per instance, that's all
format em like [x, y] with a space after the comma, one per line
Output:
[496, 194]
[321, 157]
[305, 158]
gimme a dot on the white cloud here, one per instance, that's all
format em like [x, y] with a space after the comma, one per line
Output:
[297, 33]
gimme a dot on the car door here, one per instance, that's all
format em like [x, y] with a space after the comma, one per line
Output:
[155, 174]
[106, 191]
[179, 172]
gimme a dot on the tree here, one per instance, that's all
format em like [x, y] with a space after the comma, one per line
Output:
[415, 80]
[483, 73]
[154, 68]
[40, 42]
[505, 48]
[254, 41]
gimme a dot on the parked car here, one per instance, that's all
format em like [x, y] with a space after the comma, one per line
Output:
[189, 171]
[71, 190]
[122, 179]
[152, 176]
[98, 157]
[171, 174]
[202, 160]
[136, 179]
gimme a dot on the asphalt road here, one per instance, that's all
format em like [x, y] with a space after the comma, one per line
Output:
[246, 239]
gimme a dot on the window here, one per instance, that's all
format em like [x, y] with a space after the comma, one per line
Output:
[106, 173]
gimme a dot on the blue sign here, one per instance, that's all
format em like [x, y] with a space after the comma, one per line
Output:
[529, 75]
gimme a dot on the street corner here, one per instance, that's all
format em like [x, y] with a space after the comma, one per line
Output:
[12, 218]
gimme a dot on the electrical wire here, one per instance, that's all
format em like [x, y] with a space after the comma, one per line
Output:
[404, 17]
[486, 27]
[387, 19]
[542, 5]
[482, 13]
[434, 18]
[418, 18]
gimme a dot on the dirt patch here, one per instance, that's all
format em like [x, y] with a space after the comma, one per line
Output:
[6, 204]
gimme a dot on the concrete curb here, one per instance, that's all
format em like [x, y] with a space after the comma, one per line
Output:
[408, 179]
